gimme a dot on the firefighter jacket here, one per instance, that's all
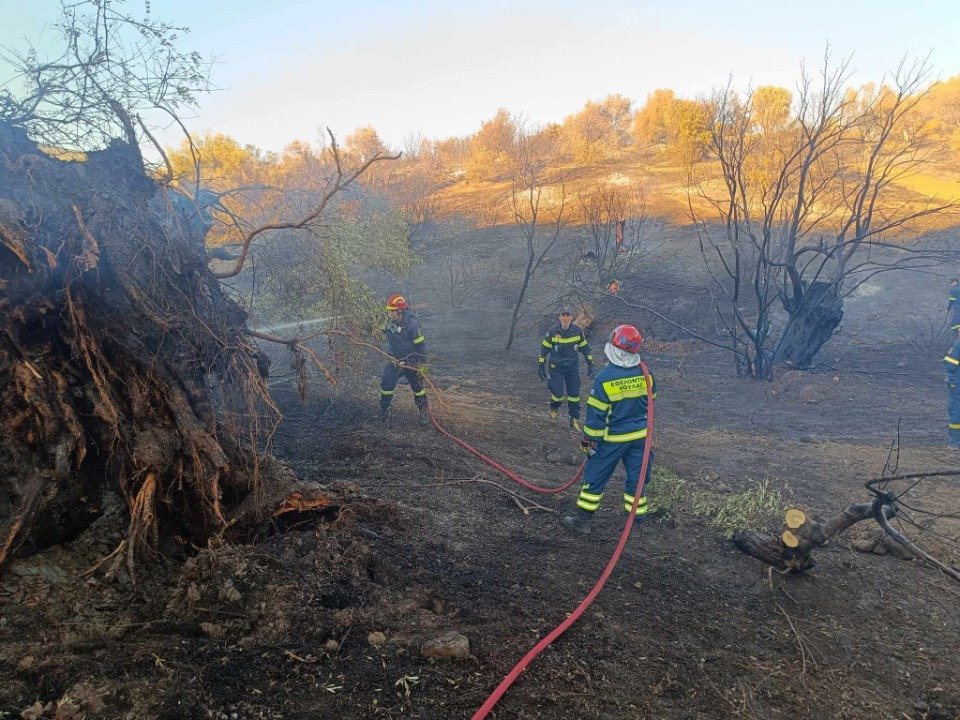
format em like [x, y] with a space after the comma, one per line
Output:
[405, 338]
[562, 346]
[952, 299]
[952, 363]
[617, 406]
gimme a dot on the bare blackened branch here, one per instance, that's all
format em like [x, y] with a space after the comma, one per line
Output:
[340, 182]
[909, 545]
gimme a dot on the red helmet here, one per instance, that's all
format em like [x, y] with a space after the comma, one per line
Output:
[396, 302]
[626, 337]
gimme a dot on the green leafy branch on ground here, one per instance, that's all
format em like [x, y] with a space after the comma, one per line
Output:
[757, 507]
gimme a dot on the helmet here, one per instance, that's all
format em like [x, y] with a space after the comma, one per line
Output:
[566, 310]
[396, 302]
[626, 337]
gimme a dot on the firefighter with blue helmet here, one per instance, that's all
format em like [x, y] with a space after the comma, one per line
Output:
[559, 365]
[615, 430]
[407, 348]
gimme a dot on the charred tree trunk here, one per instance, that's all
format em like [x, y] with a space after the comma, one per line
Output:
[113, 333]
[814, 319]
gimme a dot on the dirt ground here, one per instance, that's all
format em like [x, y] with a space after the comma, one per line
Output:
[420, 590]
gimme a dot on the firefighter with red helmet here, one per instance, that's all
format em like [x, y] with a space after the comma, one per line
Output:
[559, 363]
[407, 348]
[615, 430]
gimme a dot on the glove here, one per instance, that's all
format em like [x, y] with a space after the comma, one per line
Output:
[589, 369]
[543, 371]
[588, 448]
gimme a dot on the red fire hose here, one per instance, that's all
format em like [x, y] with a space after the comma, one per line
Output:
[497, 466]
[545, 642]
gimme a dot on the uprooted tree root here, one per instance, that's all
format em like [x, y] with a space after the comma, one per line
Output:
[123, 364]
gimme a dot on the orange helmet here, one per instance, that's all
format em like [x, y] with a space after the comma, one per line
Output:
[396, 302]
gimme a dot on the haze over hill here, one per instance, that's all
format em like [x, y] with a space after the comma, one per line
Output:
[438, 69]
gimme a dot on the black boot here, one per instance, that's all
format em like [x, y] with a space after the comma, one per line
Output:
[580, 522]
[383, 414]
[424, 417]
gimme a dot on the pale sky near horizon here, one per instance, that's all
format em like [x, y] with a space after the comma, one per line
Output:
[291, 67]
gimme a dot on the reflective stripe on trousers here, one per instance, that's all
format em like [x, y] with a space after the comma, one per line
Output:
[600, 467]
[391, 373]
[564, 385]
[953, 410]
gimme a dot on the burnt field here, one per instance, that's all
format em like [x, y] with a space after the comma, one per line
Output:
[417, 590]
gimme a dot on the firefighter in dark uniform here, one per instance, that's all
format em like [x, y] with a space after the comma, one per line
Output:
[408, 352]
[953, 307]
[616, 429]
[952, 362]
[560, 365]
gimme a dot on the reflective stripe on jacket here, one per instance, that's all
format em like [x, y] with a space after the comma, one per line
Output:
[617, 406]
[952, 363]
[562, 346]
[405, 337]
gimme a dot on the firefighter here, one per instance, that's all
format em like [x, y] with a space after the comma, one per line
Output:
[953, 307]
[558, 352]
[407, 352]
[952, 362]
[616, 428]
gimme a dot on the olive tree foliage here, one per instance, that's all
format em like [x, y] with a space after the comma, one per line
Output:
[322, 268]
[943, 103]
[809, 207]
[117, 73]
[677, 127]
[490, 148]
[598, 131]
[324, 273]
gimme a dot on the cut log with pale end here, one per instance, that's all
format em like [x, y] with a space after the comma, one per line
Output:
[795, 518]
[789, 539]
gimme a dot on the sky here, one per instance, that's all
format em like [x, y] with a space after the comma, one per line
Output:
[286, 69]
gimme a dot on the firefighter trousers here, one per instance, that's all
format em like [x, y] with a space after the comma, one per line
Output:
[601, 466]
[391, 373]
[953, 408]
[564, 385]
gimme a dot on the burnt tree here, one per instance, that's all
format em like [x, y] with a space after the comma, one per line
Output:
[810, 208]
[539, 206]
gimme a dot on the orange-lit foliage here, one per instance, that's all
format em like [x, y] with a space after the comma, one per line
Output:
[599, 131]
[490, 148]
[658, 142]
[677, 127]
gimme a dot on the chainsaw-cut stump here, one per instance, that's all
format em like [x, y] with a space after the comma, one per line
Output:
[789, 539]
[795, 518]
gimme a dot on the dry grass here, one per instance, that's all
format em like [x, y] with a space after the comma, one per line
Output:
[667, 188]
